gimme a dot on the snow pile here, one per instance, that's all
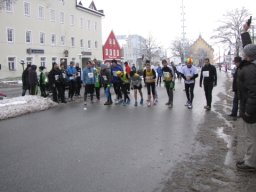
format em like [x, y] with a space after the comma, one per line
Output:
[22, 105]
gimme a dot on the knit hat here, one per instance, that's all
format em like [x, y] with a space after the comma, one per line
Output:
[250, 51]
[189, 60]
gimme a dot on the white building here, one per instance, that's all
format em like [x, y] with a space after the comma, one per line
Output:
[133, 48]
[41, 32]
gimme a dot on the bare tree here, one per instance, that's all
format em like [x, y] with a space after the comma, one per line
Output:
[151, 48]
[179, 49]
[228, 33]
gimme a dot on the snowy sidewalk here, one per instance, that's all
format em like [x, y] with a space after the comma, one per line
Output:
[17, 106]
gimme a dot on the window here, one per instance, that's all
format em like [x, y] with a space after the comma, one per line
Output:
[27, 9]
[89, 24]
[62, 40]
[114, 42]
[29, 60]
[117, 53]
[82, 43]
[81, 22]
[42, 38]
[41, 12]
[61, 17]
[12, 63]
[106, 51]
[114, 52]
[96, 44]
[53, 39]
[73, 41]
[110, 41]
[110, 52]
[42, 61]
[72, 20]
[52, 15]
[54, 59]
[8, 6]
[89, 44]
[28, 37]
[10, 35]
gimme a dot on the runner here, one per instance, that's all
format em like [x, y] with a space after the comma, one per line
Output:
[136, 86]
[149, 76]
[189, 74]
[168, 75]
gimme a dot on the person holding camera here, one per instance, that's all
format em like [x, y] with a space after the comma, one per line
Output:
[247, 94]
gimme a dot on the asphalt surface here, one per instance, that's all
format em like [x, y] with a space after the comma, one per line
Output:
[103, 148]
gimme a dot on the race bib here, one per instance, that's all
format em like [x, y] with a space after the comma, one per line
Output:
[167, 75]
[71, 78]
[104, 77]
[56, 77]
[205, 73]
[114, 73]
[64, 75]
[90, 75]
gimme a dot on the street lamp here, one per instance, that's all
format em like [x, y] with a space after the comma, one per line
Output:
[22, 63]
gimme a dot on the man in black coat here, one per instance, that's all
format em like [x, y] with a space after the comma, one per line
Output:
[237, 61]
[25, 82]
[247, 91]
[209, 78]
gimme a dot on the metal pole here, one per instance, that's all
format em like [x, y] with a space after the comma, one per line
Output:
[183, 30]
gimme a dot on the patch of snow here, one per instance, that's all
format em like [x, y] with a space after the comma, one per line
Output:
[17, 106]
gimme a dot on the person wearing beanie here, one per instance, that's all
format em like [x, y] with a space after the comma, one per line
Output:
[189, 74]
[247, 95]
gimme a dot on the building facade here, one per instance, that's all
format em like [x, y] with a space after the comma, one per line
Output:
[112, 49]
[41, 32]
[134, 48]
[200, 50]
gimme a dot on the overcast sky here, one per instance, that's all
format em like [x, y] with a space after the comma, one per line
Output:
[162, 18]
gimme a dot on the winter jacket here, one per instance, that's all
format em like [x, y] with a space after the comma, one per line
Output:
[25, 82]
[208, 75]
[71, 73]
[32, 76]
[89, 75]
[105, 77]
[115, 79]
[247, 90]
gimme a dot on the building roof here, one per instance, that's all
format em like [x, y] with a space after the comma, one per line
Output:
[201, 39]
[91, 8]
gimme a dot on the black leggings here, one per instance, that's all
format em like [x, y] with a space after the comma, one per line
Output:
[189, 88]
[151, 87]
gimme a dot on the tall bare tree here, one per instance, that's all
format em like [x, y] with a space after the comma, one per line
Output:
[180, 49]
[151, 49]
[228, 33]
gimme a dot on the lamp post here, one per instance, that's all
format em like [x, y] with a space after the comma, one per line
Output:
[22, 63]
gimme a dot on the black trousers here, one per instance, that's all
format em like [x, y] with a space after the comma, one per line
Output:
[235, 104]
[88, 89]
[208, 93]
[117, 89]
[189, 88]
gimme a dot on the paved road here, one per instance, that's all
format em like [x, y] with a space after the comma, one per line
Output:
[108, 149]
